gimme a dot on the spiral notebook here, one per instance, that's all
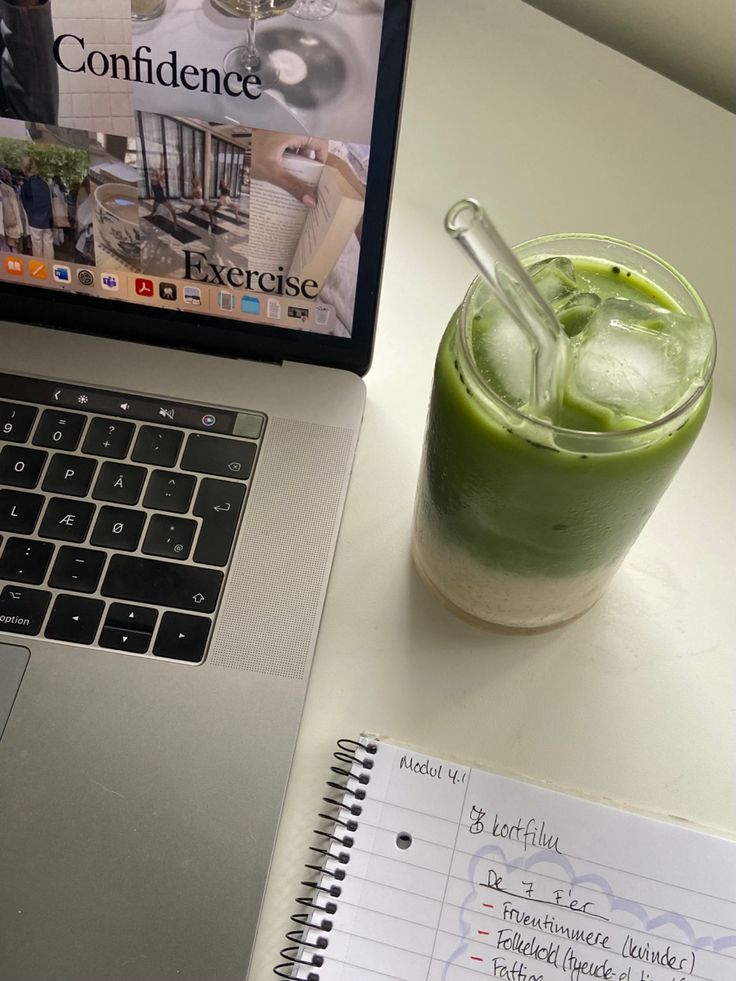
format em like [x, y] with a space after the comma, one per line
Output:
[433, 871]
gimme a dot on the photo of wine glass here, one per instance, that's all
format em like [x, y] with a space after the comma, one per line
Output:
[246, 59]
[146, 9]
[314, 9]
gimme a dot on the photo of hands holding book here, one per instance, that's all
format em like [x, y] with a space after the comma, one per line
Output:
[268, 210]
[306, 207]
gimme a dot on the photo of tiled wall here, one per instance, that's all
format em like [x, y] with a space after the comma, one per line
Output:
[86, 101]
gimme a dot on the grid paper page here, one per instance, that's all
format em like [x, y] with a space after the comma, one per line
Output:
[455, 874]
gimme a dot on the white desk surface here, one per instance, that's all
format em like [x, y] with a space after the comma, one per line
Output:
[634, 703]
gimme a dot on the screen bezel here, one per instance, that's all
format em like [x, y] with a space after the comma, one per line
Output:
[215, 335]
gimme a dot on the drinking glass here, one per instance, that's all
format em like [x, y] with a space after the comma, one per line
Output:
[522, 523]
[146, 9]
[245, 59]
[314, 9]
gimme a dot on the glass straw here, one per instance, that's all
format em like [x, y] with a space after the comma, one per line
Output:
[470, 226]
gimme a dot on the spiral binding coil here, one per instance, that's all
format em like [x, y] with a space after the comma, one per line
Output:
[321, 898]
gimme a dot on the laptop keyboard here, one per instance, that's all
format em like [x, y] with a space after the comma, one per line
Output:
[117, 525]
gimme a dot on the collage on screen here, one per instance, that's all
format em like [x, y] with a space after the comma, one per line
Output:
[164, 153]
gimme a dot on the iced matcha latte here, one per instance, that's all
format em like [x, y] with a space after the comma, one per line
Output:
[522, 522]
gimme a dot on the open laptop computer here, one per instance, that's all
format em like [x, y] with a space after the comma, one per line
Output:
[190, 252]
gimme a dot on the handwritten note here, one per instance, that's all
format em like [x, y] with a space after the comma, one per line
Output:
[455, 874]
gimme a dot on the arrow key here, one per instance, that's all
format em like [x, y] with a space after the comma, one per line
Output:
[128, 628]
[117, 639]
[182, 637]
[128, 617]
[74, 619]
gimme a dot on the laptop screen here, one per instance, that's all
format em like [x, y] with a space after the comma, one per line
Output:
[207, 160]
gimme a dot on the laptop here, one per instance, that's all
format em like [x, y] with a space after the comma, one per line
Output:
[191, 238]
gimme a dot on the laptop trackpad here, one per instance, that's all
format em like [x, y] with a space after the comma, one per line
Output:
[13, 661]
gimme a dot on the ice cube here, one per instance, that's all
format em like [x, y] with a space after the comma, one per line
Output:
[554, 278]
[503, 355]
[576, 311]
[638, 360]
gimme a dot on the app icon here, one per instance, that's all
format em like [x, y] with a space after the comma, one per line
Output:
[273, 309]
[13, 266]
[37, 269]
[250, 304]
[110, 282]
[193, 295]
[62, 274]
[298, 313]
[208, 420]
[143, 287]
[225, 300]
[85, 277]
[167, 291]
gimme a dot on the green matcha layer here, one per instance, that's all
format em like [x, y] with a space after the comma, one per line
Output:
[526, 508]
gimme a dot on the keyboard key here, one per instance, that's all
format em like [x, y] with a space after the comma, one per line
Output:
[19, 511]
[219, 456]
[21, 467]
[16, 421]
[119, 483]
[108, 437]
[74, 619]
[128, 628]
[169, 491]
[66, 520]
[182, 637]
[22, 609]
[117, 639]
[69, 475]
[183, 587]
[58, 429]
[141, 618]
[158, 446]
[118, 528]
[77, 568]
[25, 560]
[169, 537]
[219, 503]
[249, 424]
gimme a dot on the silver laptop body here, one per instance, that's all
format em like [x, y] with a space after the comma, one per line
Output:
[140, 793]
